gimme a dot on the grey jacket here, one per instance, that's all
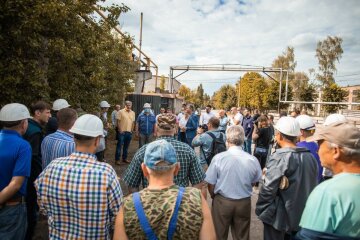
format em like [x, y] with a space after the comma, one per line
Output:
[282, 209]
[204, 141]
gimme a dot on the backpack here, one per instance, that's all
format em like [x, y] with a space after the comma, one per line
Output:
[218, 146]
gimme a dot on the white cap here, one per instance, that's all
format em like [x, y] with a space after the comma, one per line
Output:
[60, 104]
[14, 112]
[104, 104]
[88, 125]
[333, 118]
[147, 105]
[288, 126]
[305, 122]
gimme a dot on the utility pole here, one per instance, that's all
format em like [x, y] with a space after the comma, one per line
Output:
[141, 24]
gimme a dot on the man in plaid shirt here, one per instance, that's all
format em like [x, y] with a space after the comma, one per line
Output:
[80, 195]
[190, 167]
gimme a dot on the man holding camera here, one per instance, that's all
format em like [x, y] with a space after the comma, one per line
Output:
[206, 134]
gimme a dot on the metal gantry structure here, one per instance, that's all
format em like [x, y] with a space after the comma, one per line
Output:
[247, 68]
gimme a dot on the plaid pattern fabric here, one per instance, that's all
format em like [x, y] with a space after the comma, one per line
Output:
[80, 196]
[190, 168]
[55, 145]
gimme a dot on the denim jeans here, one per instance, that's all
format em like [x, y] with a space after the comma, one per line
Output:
[247, 145]
[13, 222]
[261, 154]
[144, 139]
[124, 140]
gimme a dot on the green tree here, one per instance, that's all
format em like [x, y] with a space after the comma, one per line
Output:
[303, 90]
[334, 93]
[271, 95]
[285, 61]
[185, 92]
[327, 52]
[55, 49]
[225, 97]
[252, 89]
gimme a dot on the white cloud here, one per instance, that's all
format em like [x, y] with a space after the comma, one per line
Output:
[253, 32]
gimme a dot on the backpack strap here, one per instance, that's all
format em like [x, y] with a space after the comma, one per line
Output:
[211, 135]
[174, 217]
[145, 225]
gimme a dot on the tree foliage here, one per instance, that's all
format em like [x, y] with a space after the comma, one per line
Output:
[225, 97]
[328, 52]
[162, 83]
[252, 90]
[56, 49]
[334, 93]
[303, 90]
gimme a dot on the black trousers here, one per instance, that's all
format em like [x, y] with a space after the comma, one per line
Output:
[271, 233]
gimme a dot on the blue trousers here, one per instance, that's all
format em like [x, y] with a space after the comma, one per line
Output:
[247, 145]
[124, 140]
[13, 222]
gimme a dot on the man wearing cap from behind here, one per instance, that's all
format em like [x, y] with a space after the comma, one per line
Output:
[291, 174]
[80, 195]
[307, 129]
[164, 210]
[52, 124]
[335, 202]
[15, 155]
[190, 168]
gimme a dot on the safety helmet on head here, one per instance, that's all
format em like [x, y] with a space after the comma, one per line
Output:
[147, 105]
[14, 112]
[88, 125]
[60, 104]
[104, 104]
[288, 126]
[335, 118]
[305, 122]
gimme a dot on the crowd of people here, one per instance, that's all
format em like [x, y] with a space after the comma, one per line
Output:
[53, 162]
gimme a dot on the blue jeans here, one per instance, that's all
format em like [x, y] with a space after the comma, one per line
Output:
[247, 145]
[261, 154]
[124, 138]
[145, 139]
[13, 222]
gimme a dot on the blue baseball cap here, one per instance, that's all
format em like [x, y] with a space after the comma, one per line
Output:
[159, 151]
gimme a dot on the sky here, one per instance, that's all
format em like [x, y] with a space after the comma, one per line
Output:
[248, 32]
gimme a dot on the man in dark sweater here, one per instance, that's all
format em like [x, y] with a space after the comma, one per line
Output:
[40, 112]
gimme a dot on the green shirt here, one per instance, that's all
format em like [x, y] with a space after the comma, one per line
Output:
[334, 206]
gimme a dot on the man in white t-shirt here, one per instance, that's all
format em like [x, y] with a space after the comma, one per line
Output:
[204, 118]
[236, 117]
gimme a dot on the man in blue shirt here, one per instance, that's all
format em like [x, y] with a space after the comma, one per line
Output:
[15, 155]
[61, 143]
[145, 125]
[191, 124]
[307, 129]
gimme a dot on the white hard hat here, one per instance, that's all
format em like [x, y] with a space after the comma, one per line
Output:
[60, 104]
[14, 112]
[305, 122]
[104, 104]
[333, 118]
[288, 126]
[147, 105]
[88, 125]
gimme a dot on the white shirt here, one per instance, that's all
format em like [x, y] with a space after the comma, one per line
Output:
[239, 117]
[233, 172]
[182, 121]
[205, 117]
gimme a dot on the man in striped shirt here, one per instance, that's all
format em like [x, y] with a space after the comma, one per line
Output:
[80, 195]
[60, 143]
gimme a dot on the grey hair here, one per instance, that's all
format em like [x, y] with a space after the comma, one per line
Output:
[128, 102]
[350, 152]
[235, 135]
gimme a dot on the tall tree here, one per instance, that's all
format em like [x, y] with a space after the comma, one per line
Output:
[334, 93]
[162, 83]
[285, 61]
[303, 90]
[225, 97]
[185, 92]
[252, 89]
[328, 52]
[55, 49]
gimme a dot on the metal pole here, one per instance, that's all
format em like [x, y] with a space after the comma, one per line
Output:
[141, 23]
[280, 91]
[286, 86]
[239, 92]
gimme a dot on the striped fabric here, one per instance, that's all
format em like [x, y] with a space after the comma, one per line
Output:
[55, 145]
[80, 196]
